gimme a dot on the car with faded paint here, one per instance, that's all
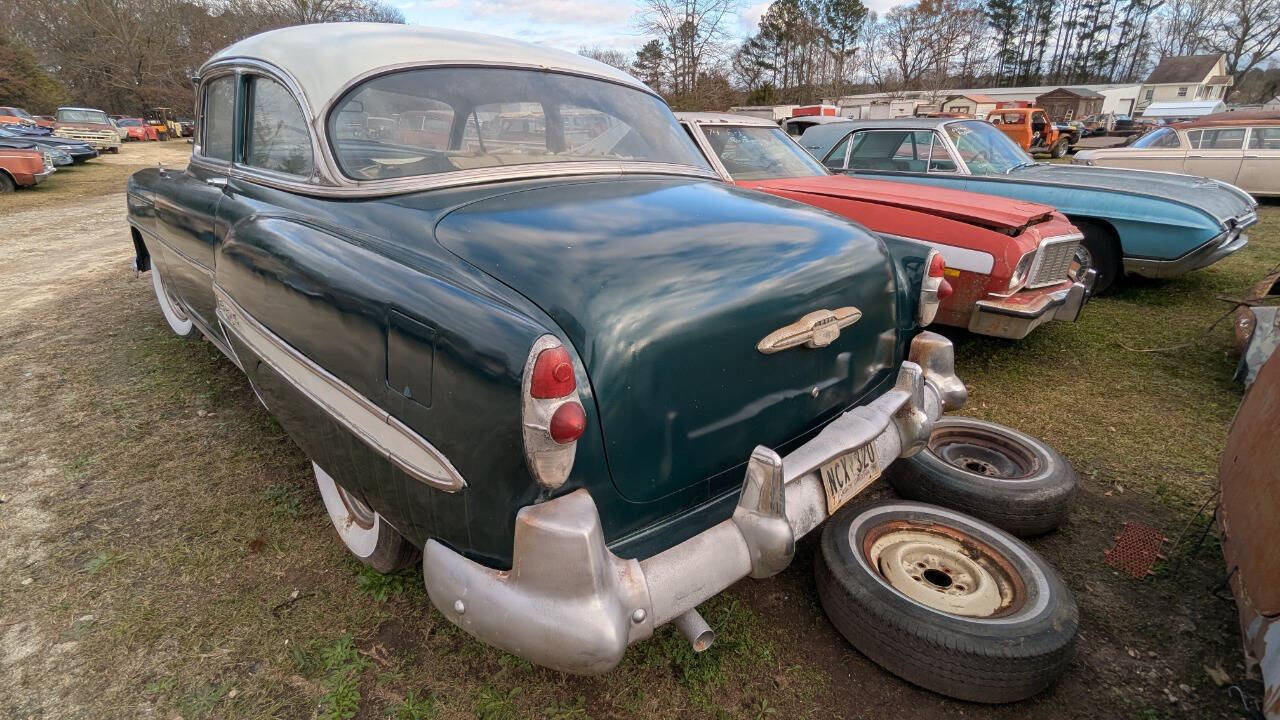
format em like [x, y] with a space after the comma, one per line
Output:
[10, 115]
[1241, 148]
[1008, 262]
[21, 167]
[1156, 225]
[87, 125]
[77, 151]
[550, 351]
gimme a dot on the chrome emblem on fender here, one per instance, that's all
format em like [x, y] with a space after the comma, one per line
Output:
[817, 329]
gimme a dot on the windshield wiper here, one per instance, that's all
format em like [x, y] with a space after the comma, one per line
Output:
[1029, 163]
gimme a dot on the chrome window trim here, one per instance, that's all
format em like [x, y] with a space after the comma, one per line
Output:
[328, 180]
[377, 428]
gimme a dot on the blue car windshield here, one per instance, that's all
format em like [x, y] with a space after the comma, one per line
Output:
[439, 120]
[986, 150]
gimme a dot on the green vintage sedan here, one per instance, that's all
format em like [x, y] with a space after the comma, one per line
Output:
[523, 332]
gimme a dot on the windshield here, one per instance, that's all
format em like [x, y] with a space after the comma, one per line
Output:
[760, 153]
[83, 116]
[1161, 138]
[986, 150]
[15, 112]
[129, 122]
[422, 122]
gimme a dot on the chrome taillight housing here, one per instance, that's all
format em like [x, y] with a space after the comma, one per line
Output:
[551, 413]
[934, 287]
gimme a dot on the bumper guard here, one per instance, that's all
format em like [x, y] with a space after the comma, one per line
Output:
[570, 604]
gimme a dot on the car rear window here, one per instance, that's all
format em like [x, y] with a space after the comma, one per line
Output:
[439, 120]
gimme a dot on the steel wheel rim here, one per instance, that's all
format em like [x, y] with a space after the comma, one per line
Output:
[944, 569]
[983, 452]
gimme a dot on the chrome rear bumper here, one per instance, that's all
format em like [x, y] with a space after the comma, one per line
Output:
[570, 604]
[1015, 317]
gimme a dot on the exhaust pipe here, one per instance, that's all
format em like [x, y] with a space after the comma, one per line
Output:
[695, 630]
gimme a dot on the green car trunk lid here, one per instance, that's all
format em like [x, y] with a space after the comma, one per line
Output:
[665, 286]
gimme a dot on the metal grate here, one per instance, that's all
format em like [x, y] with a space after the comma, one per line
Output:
[1136, 550]
[1054, 262]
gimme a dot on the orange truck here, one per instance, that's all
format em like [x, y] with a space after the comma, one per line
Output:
[1031, 128]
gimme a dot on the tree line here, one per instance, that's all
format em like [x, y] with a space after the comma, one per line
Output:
[130, 55]
[126, 56]
[809, 49]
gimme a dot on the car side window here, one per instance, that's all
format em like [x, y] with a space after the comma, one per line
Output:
[1222, 139]
[878, 150]
[219, 112]
[835, 158]
[1193, 138]
[1168, 139]
[1265, 138]
[278, 138]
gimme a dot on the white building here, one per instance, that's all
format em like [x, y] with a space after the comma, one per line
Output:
[1116, 98]
[1187, 78]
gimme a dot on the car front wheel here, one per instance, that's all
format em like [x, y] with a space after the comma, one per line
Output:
[946, 601]
[1059, 149]
[1098, 251]
[365, 533]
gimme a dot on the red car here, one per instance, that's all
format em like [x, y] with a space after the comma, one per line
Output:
[1009, 263]
[22, 168]
[136, 129]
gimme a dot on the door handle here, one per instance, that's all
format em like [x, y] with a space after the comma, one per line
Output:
[1195, 155]
[1253, 156]
[218, 182]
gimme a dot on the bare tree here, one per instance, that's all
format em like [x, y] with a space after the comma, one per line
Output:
[1248, 31]
[693, 30]
[608, 56]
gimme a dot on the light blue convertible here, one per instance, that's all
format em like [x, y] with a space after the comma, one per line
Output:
[1152, 224]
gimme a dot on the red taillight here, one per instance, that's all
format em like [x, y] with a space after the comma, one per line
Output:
[937, 266]
[568, 423]
[553, 375]
[945, 290]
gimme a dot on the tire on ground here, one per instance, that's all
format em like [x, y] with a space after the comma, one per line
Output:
[991, 472]
[1104, 251]
[368, 537]
[1007, 655]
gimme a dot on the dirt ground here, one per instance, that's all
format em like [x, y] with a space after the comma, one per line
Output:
[166, 554]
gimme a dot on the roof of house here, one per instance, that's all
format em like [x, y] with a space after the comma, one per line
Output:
[1197, 108]
[323, 58]
[1077, 91]
[982, 99]
[1183, 69]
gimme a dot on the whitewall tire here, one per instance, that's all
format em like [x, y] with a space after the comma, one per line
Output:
[173, 311]
[367, 536]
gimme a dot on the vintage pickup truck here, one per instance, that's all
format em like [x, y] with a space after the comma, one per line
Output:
[594, 384]
[1008, 262]
[1156, 225]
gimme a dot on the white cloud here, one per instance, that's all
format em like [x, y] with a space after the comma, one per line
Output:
[749, 18]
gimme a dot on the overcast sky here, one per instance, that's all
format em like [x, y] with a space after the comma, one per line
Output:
[566, 24]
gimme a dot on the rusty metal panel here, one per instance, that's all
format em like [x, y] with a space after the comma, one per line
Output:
[1136, 550]
[1249, 517]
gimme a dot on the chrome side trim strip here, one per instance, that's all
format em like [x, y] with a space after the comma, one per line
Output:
[386, 435]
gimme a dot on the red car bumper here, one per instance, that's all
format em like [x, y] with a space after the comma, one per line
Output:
[1015, 316]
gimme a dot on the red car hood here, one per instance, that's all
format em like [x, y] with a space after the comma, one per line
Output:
[988, 211]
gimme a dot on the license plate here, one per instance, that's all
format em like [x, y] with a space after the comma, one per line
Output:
[848, 474]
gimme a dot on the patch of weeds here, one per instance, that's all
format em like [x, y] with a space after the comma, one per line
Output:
[163, 687]
[382, 587]
[494, 705]
[284, 500]
[201, 702]
[763, 709]
[511, 663]
[574, 710]
[341, 665]
[101, 561]
[413, 707]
